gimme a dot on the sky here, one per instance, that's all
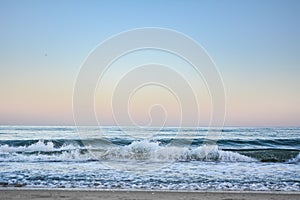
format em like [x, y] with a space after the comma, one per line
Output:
[254, 44]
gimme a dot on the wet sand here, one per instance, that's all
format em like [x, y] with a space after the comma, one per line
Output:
[85, 194]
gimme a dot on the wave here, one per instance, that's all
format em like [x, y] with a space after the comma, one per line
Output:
[39, 146]
[42, 151]
[118, 149]
[137, 150]
[144, 150]
[269, 155]
[238, 143]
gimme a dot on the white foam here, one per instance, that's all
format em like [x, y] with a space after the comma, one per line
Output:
[137, 150]
[40, 146]
[295, 160]
[73, 155]
[145, 150]
[42, 151]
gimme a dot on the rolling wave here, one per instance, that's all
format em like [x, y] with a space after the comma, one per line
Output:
[117, 149]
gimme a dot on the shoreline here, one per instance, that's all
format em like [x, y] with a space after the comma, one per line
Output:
[93, 194]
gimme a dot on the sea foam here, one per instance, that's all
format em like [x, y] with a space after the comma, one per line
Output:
[137, 150]
[145, 150]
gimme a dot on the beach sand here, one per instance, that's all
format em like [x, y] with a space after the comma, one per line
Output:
[82, 194]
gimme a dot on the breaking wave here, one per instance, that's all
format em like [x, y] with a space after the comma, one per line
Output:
[75, 151]
[144, 150]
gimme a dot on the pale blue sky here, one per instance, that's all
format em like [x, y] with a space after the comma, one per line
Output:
[255, 45]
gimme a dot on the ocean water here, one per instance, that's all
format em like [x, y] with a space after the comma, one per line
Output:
[171, 158]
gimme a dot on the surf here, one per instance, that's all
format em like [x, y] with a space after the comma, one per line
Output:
[76, 150]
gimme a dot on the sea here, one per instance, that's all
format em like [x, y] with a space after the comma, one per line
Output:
[149, 158]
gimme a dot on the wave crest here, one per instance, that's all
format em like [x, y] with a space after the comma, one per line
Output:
[140, 151]
[144, 150]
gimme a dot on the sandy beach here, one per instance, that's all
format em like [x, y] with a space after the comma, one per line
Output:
[82, 194]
